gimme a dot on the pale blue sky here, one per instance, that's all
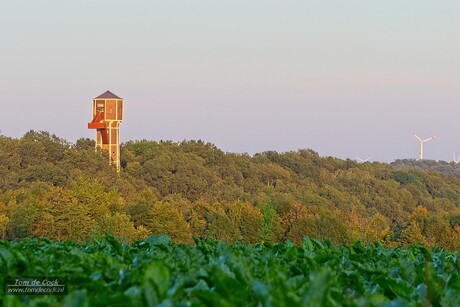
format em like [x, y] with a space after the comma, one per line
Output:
[344, 78]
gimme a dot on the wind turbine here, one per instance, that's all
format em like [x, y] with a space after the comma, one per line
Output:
[456, 160]
[362, 160]
[421, 143]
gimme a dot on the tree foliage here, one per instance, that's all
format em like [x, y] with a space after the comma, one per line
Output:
[49, 187]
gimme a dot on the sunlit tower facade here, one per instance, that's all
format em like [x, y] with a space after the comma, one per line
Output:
[107, 117]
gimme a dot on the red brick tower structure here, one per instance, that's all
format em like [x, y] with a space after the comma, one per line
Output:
[107, 117]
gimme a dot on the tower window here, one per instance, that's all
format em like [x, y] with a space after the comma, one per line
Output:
[100, 107]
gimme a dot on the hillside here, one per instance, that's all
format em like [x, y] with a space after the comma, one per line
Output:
[51, 188]
[446, 168]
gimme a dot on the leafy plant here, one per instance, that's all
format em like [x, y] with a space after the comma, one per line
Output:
[159, 272]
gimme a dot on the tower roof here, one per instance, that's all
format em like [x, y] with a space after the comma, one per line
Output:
[108, 94]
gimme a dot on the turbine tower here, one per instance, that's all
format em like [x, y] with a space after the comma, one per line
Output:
[456, 160]
[420, 157]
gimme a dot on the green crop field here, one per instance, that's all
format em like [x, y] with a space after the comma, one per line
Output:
[158, 272]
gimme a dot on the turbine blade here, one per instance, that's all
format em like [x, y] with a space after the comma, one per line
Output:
[429, 139]
[416, 136]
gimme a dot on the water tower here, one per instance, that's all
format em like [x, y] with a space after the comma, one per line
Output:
[107, 117]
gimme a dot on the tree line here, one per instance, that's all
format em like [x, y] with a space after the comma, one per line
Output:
[51, 188]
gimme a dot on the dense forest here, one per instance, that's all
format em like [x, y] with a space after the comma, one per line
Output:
[51, 188]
